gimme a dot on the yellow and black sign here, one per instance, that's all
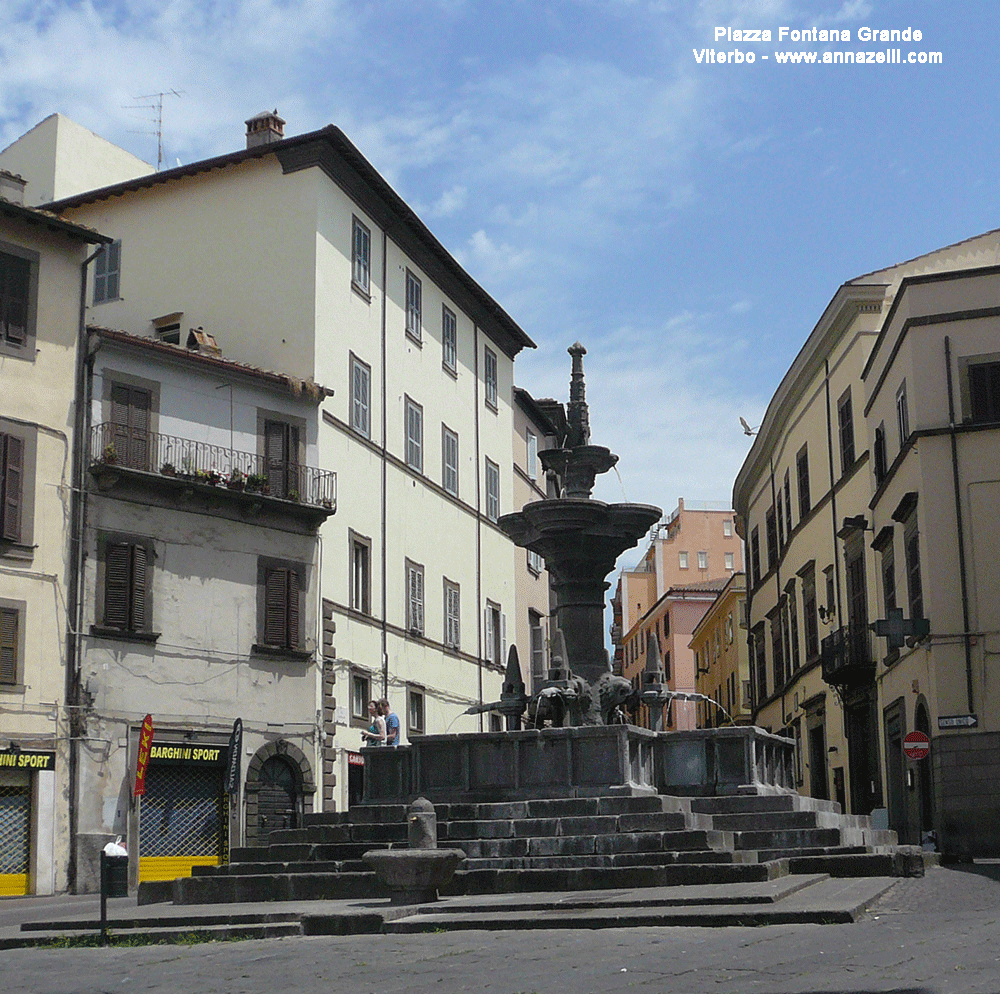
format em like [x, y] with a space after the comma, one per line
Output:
[187, 753]
[27, 759]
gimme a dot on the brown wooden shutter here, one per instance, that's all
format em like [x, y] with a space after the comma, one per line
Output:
[8, 645]
[15, 282]
[293, 609]
[119, 419]
[13, 485]
[276, 456]
[140, 580]
[130, 409]
[275, 607]
[117, 580]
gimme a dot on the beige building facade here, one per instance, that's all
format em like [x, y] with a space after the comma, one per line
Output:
[297, 256]
[721, 661]
[42, 262]
[862, 492]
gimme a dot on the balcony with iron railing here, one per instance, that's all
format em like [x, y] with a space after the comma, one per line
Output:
[118, 451]
[847, 657]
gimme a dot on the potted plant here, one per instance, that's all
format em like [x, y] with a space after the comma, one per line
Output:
[110, 454]
[236, 480]
[168, 469]
[255, 482]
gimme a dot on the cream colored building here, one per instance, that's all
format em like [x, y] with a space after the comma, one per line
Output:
[848, 492]
[297, 256]
[721, 663]
[533, 432]
[42, 259]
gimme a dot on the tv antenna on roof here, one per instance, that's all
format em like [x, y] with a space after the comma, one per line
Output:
[157, 108]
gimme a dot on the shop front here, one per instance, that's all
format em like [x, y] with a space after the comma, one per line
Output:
[184, 813]
[27, 781]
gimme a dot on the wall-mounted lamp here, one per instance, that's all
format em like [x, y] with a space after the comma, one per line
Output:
[825, 614]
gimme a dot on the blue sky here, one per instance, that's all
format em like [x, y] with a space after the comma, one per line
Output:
[687, 222]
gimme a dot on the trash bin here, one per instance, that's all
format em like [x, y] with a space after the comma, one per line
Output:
[114, 875]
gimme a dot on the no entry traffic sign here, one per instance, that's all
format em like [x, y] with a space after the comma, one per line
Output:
[916, 745]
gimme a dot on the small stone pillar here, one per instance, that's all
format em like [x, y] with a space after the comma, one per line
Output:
[414, 875]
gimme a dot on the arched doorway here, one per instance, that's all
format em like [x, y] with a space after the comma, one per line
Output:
[278, 797]
[279, 791]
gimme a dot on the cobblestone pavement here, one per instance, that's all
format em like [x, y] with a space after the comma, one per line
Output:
[933, 935]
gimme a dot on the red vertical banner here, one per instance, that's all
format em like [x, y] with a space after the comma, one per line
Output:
[142, 759]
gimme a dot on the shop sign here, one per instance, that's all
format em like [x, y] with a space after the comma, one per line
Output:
[27, 759]
[188, 753]
[142, 757]
[233, 758]
[355, 759]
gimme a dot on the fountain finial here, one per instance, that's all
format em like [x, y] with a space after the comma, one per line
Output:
[577, 413]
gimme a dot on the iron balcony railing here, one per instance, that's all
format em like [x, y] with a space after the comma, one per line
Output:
[847, 656]
[213, 465]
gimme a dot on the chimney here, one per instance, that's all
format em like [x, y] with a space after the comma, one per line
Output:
[12, 187]
[264, 128]
[202, 342]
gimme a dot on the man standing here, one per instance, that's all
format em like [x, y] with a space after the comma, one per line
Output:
[391, 723]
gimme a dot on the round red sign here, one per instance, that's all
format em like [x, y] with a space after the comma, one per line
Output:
[916, 745]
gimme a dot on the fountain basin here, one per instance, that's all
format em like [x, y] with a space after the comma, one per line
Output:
[413, 876]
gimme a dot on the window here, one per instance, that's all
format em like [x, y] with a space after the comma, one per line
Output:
[131, 407]
[888, 568]
[413, 306]
[414, 598]
[729, 628]
[452, 615]
[531, 446]
[361, 694]
[810, 620]
[777, 649]
[727, 527]
[414, 710]
[361, 397]
[490, 373]
[788, 507]
[127, 583]
[283, 591]
[449, 460]
[535, 562]
[492, 490]
[781, 522]
[682, 560]
[802, 472]
[911, 548]
[759, 665]
[496, 635]
[878, 447]
[845, 422]
[772, 539]
[18, 288]
[281, 458]
[902, 414]
[984, 391]
[107, 273]
[537, 642]
[361, 257]
[414, 436]
[792, 621]
[702, 560]
[755, 556]
[449, 340]
[730, 560]
[12, 459]
[361, 578]
[11, 641]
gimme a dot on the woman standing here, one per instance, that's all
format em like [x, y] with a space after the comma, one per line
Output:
[375, 734]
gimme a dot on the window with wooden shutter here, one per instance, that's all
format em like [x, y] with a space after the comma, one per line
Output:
[281, 451]
[11, 486]
[126, 586]
[282, 623]
[10, 623]
[414, 598]
[107, 273]
[130, 417]
[15, 290]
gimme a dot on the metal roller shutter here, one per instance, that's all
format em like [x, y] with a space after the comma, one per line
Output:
[15, 838]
